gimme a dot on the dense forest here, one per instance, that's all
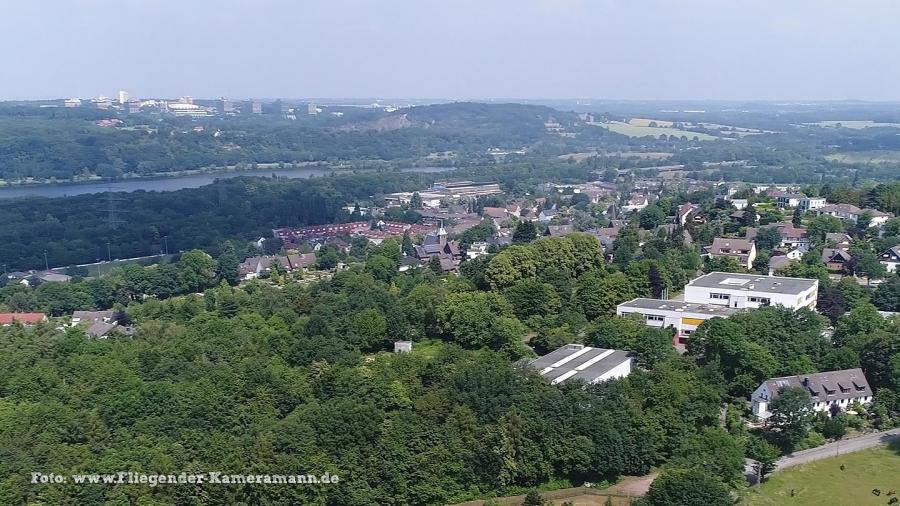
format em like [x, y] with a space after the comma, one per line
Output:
[277, 374]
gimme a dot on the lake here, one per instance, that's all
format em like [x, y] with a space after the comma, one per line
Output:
[172, 183]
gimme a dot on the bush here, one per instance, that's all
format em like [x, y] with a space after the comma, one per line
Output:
[812, 440]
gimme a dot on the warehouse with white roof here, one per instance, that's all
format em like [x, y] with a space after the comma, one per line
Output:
[580, 362]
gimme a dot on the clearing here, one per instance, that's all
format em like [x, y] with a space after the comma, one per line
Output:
[823, 482]
[874, 156]
[644, 131]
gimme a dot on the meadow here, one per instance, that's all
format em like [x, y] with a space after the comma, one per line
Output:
[824, 482]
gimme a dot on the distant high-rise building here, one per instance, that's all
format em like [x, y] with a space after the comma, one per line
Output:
[255, 107]
[312, 110]
[123, 97]
[225, 106]
[73, 102]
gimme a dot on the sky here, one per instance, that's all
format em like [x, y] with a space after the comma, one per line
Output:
[453, 49]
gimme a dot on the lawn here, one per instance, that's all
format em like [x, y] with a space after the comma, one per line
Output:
[875, 156]
[643, 131]
[823, 482]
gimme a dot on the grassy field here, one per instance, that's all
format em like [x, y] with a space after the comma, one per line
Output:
[865, 157]
[823, 482]
[643, 131]
[854, 124]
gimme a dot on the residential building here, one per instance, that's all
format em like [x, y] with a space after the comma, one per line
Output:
[831, 391]
[683, 317]
[685, 210]
[791, 236]
[23, 318]
[123, 97]
[742, 250]
[546, 215]
[891, 258]
[580, 362]
[740, 203]
[559, 230]
[839, 239]
[751, 290]
[851, 213]
[498, 214]
[811, 203]
[790, 199]
[836, 259]
[253, 267]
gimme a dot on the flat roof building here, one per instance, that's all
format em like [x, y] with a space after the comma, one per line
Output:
[684, 317]
[741, 291]
[580, 362]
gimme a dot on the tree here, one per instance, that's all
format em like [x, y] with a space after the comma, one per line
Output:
[534, 498]
[227, 266]
[596, 295]
[530, 297]
[687, 488]
[792, 414]
[651, 217]
[887, 295]
[509, 266]
[525, 232]
[821, 225]
[196, 271]
[767, 238]
[381, 268]
[869, 266]
[407, 245]
[765, 454]
[714, 452]
[415, 202]
[475, 319]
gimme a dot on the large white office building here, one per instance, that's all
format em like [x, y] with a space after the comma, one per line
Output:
[740, 291]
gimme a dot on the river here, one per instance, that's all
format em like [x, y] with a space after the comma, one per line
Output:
[166, 184]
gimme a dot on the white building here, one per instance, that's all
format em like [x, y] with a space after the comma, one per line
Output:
[829, 391]
[751, 291]
[684, 317]
[580, 362]
[849, 212]
[123, 96]
[891, 258]
[811, 203]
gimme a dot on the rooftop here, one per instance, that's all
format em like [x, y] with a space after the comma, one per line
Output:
[579, 362]
[679, 306]
[826, 386]
[755, 282]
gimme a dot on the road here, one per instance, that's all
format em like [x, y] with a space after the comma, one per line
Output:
[838, 448]
[825, 451]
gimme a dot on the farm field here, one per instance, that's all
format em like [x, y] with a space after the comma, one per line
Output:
[877, 156]
[644, 131]
[854, 124]
[823, 482]
[642, 155]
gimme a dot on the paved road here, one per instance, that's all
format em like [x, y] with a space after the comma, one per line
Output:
[839, 448]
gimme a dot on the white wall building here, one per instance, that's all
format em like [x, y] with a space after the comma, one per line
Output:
[741, 291]
[811, 203]
[684, 317]
[833, 390]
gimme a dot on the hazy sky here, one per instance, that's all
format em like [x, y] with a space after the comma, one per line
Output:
[615, 49]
